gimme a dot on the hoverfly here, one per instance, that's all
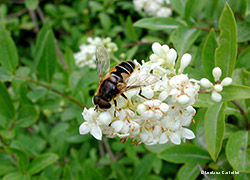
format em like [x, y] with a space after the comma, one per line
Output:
[117, 81]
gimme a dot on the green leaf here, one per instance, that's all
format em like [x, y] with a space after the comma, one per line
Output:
[215, 129]
[22, 158]
[234, 92]
[230, 129]
[31, 4]
[6, 168]
[189, 171]
[70, 60]
[6, 105]
[67, 172]
[13, 176]
[243, 59]
[27, 116]
[191, 7]
[248, 8]
[130, 29]
[144, 167]
[8, 51]
[208, 52]
[204, 100]
[241, 176]
[237, 151]
[199, 128]
[225, 54]
[90, 172]
[4, 75]
[158, 23]
[41, 162]
[243, 31]
[183, 38]
[46, 57]
[105, 21]
[185, 153]
[179, 6]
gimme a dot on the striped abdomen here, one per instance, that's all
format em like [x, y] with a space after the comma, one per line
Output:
[113, 82]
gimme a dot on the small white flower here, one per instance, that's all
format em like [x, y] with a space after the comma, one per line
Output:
[86, 55]
[159, 8]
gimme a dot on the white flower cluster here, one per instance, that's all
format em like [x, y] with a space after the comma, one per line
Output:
[86, 55]
[159, 8]
[166, 111]
[218, 87]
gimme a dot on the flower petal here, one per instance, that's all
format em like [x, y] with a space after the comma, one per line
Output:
[96, 132]
[84, 128]
[117, 125]
[174, 138]
[187, 133]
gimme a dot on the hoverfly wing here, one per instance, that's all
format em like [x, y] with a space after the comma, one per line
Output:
[103, 61]
[138, 80]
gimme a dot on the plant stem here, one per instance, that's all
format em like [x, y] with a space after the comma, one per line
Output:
[52, 89]
[207, 29]
[34, 20]
[137, 43]
[18, 13]
[107, 147]
[242, 112]
[200, 168]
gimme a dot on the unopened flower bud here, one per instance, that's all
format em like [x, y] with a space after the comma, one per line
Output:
[164, 107]
[206, 83]
[153, 58]
[185, 61]
[216, 73]
[165, 48]
[148, 92]
[218, 88]
[216, 96]
[183, 99]
[141, 108]
[157, 49]
[171, 57]
[226, 81]
[105, 118]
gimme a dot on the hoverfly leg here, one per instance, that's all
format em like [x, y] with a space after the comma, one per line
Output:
[142, 95]
[125, 97]
[115, 102]
[96, 109]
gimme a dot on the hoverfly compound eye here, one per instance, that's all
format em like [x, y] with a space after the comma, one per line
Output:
[101, 103]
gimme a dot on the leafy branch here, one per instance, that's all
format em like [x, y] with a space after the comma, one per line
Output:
[53, 90]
